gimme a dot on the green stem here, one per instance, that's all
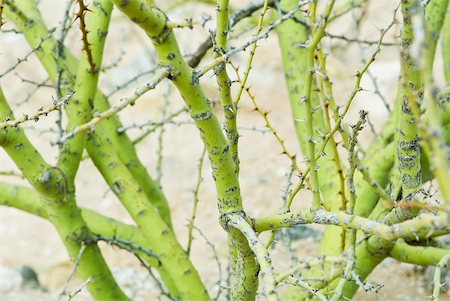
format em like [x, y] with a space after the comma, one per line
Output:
[26, 17]
[60, 206]
[421, 255]
[26, 199]
[290, 34]
[437, 277]
[157, 233]
[446, 46]
[224, 82]
[348, 221]
[153, 21]
[434, 142]
[407, 110]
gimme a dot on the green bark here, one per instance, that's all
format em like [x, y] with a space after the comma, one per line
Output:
[421, 255]
[379, 157]
[446, 45]
[407, 110]
[434, 139]
[407, 139]
[55, 185]
[244, 281]
[60, 206]
[158, 234]
[28, 200]
[294, 58]
[26, 17]
[79, 109]
[224, 82]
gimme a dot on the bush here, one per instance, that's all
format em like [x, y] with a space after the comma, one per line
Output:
[388, 198]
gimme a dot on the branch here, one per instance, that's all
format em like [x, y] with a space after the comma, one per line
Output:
[196, 200]
[98, 117]
[80, 110]
[437, 277]
[81, 14]
[318, 261]
[348, 221]
[224, 82]
[153, 22]
[434, 142]
[226, 56]
[28, 200]
[262, 256]
[422, 255]
[57, 104]
[311, 290]
[123, 244]
[35, 49]
[79, 289]
[233, 20]
[72, 273]
[66, 66]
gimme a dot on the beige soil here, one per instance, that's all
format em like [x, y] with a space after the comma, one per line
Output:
[28, 240]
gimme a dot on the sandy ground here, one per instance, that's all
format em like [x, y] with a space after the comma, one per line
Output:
[26, 240]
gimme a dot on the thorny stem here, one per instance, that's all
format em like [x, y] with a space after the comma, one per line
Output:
[57, 104]
[125, 152]
[407, 109]
[336, 127]
[80, 109]
[350, 237]
[196, 199]
[268, 125]
[355, 222]
[306, 98]
[259, 28]
[81, 15]
[59, 203]
[159, 151]
[226, 56]
[229, 198]
[98, 117]
[437, 277]
[123, 244]
[434, 143]
[245, 241]
[321, 260]
[79, 289]
[262, 256]
[234, 18]
[72, 272]
[153, 126]
[308, 288]
[121, 143]
[59, 53]
[224, 82]
[31, 52]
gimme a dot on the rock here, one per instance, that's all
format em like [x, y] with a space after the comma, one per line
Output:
[29, 276]
[10, 280]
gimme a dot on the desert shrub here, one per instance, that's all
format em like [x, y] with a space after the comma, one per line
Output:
[388, 197]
